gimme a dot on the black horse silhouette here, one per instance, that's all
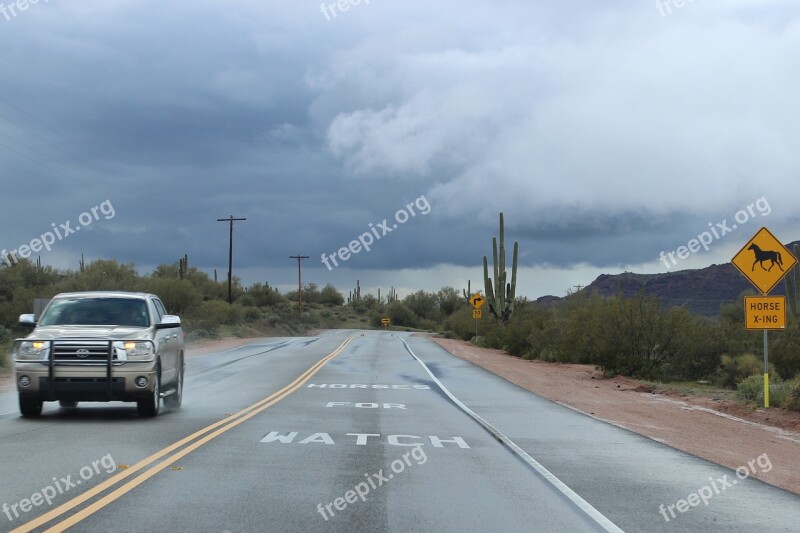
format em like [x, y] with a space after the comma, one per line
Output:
[766, 255]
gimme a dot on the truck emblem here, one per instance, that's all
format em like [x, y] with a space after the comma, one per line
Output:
[83, 353]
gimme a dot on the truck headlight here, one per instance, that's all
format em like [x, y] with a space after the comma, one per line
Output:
[31, 350]
[134, 350]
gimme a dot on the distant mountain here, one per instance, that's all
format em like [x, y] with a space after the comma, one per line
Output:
[702, 291]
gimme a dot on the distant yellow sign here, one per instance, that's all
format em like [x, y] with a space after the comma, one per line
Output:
[764, 260]
[476, 313]
[477, 301]
[385, 321]
[765, 312]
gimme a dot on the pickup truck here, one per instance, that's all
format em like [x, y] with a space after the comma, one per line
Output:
[100, 347]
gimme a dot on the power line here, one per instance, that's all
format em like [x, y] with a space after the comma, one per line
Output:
[37, 151]
[60, 148]
[43, 164]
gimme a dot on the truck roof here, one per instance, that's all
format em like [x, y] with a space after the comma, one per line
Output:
[104, 294]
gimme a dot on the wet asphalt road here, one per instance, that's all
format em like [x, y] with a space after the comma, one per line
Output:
[304, 433]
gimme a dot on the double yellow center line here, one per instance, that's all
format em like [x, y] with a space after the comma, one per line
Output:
[200, 438]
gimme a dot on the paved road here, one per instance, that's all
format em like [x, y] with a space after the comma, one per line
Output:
[366, 431]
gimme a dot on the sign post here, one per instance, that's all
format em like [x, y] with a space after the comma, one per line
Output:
[477, 302]
[764, 261]
[385, 321]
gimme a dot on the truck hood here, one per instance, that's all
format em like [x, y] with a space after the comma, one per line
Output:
[89, 332]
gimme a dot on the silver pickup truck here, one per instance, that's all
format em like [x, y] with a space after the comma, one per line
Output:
[100, 347]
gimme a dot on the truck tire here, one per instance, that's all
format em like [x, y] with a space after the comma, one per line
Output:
[30, 407]
[173, 401]
[148, 407]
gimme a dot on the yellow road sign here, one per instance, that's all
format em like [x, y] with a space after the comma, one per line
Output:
[764, 260]
[476, 313]
[477, 301]
[765, 312]
[385, 321]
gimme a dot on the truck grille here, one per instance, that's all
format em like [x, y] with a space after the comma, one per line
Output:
[81, 351]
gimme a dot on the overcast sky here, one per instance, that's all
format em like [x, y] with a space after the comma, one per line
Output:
[606, 131]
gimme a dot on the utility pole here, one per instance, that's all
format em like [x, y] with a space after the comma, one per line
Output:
[231, 220]
[299, 279]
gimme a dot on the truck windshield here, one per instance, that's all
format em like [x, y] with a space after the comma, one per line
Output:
[96, 312]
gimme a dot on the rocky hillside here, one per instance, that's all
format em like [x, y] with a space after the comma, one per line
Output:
[702, 291]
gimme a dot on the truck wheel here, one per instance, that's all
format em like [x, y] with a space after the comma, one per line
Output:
[173, 401]
[148, 407]
[30, 407]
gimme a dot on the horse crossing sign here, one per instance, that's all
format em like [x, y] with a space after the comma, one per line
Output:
[764, 260]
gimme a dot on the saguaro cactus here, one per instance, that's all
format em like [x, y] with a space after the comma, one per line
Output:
[183, 266]
[467, 292]
[792, 281]
[499, 294]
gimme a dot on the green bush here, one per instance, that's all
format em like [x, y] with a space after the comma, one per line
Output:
[251, 314]
[781, 393]
[751, 389]
[792, 399]
[732, 370]
[548, 355]
[783, 350]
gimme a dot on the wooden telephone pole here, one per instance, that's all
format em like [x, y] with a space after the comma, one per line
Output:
[231, 220]
[299, 279]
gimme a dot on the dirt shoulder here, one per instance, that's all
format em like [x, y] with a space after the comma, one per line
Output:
[721, 431]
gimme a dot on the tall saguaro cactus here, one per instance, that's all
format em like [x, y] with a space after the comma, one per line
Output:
[499, 293]
[792, 281]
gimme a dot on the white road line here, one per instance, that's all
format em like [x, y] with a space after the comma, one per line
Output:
[585, 506]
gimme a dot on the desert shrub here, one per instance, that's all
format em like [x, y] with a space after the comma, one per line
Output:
[781, 393]
[642, 339]
[246, 300]
[548, 355]
[732, 370]
[330, 296]
[427, 324]
[251, 314]
[751, 389]
[792, 399]
[783, 351]
[517, 338]
[698, 356]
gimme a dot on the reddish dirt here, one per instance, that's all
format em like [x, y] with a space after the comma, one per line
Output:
[721, 431]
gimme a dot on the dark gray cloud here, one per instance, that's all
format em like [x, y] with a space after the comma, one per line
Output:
[606, 132]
